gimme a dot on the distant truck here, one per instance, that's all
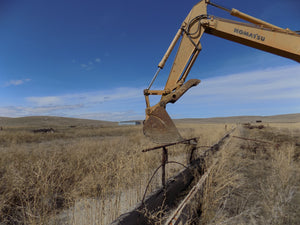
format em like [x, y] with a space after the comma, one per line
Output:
[44, 130]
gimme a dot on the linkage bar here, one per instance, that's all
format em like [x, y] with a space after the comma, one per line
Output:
[186, 141]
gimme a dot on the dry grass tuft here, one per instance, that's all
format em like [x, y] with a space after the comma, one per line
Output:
[254, 183]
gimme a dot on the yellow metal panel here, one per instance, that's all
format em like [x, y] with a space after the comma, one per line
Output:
[186, 47]
[282, 43]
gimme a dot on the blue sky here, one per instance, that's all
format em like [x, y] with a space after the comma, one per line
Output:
[93, 58]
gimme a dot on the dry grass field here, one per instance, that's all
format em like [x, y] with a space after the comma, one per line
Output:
[80, 174]
[91, 173]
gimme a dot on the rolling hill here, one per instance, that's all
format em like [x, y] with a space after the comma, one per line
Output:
[285, 118]
[51, 121]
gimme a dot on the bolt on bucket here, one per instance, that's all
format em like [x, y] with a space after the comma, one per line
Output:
[158, 125]
[160, 128]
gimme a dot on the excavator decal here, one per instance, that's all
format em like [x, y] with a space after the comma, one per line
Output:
[250, 35]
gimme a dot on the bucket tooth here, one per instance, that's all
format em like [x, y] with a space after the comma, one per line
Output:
[160, 128]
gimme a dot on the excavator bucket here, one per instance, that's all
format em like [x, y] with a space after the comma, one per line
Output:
[158, 125]
[160, 128]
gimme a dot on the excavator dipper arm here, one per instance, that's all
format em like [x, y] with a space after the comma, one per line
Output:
[158, 125]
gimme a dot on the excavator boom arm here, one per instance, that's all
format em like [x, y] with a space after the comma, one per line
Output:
[279, 42]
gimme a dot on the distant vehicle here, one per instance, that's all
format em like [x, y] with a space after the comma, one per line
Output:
[44, 130]
[129, 123]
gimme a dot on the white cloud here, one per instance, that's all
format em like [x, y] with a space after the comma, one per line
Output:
[113, 105]
[271, 84]
[90, 65]
[87, 98]
[263, 92]
[270, 91]
[113, 116]
[45, 101]
[97, 97]
[16, 82]
[20, 111]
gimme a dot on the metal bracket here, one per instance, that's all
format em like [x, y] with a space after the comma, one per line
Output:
[165, 160]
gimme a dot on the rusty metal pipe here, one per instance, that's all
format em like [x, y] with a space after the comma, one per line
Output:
[186, 141]
[163, 163]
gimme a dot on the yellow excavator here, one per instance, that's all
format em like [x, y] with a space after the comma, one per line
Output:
[255, 33]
